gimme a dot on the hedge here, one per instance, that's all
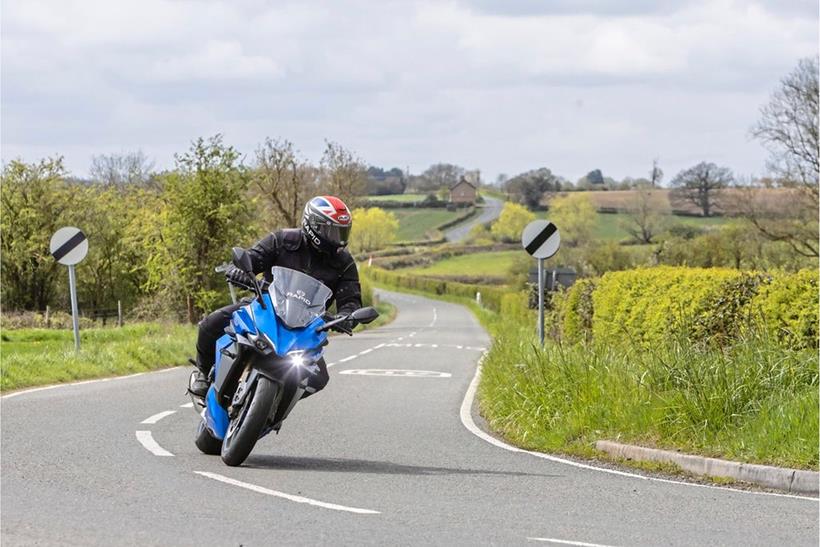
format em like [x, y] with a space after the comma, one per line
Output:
[491, 297]
[644, 307]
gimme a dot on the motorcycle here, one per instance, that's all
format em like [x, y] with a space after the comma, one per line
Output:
[265, 359]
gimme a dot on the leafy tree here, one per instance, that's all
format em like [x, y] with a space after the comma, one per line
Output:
[511, 222]
[528, 188]
[575, 217]
[595, 177]
[655, 174]
[381, 182]
[373, 228]
[35, 203]
[283, 181]
[206, 212]
[342, 173]
[699, 185]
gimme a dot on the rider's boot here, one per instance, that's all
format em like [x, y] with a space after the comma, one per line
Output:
[198, 382]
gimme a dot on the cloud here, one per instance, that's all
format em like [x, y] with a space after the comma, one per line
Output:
[501, 86]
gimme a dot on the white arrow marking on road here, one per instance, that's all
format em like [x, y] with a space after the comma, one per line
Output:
[187, 405]
[283, 495]
[566, 542]
[158, 416]
[435, 316]
[147, 440]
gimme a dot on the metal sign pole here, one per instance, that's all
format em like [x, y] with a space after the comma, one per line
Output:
[72, 283]
[541, 300]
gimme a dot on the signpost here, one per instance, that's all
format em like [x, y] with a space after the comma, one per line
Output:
[541, 239]
[68, 247]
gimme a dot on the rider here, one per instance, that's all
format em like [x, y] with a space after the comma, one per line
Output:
[317, 249]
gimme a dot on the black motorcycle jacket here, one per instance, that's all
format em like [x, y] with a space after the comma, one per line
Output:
[288, 249]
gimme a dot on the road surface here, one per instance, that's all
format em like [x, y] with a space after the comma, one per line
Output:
[490, 211]
[378, 458]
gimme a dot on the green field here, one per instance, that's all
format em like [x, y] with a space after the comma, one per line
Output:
[495, 264]
[415, 223]
[45, 356]
[398, 197]
[610, 227]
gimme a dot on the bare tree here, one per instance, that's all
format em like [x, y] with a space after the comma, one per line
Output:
[645, 213]
[283, 180]
[698, 185]
[343, 174]
[788, 128]
[121, 169]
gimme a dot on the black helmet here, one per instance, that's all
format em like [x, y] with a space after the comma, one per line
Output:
[326, 223]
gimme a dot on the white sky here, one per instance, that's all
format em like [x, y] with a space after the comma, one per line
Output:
[502, 86]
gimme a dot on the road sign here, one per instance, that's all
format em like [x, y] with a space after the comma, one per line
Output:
[541, 239]
[69, 245]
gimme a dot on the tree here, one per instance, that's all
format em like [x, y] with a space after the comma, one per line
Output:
[283, 181]
[342, 172]
[373, 228]
[595, 177]
[699, 185]
[35, 202]
[788, 129]
[511, 222]
[575, 217]
[206, 212]
[381, 182]
[655, 174]
[529, 188]
[645, 213]
[121, 169]
[437, 176]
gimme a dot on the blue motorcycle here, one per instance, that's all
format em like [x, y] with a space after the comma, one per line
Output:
[265, 360]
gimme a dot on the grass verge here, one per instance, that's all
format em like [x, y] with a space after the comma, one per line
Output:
[754, 402]
[33, 357]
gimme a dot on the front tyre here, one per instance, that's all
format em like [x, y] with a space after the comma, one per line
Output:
[244, 429]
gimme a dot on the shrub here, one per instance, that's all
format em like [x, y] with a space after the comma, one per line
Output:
[788, 308]
[576, 324]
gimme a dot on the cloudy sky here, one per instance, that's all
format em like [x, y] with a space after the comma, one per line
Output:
[503, 86]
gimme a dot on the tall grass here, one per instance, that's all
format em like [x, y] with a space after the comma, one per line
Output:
[41, 356]
[754, 401]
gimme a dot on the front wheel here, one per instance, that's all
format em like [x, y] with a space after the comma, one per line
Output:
[244, 429]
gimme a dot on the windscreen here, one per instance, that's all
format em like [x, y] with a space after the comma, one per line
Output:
[297, 298]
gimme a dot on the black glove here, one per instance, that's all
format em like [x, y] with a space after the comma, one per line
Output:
[235, 276]
[345, 326]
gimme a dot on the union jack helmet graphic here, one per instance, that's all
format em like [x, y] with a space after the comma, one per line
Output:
[326, 223]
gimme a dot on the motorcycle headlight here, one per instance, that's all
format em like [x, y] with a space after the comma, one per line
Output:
[297, 358]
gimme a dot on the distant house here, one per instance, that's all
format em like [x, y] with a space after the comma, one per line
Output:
[463, 192]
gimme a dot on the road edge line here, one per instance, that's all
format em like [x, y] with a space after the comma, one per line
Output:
[465, 413]
[147, 441]
[84, 382]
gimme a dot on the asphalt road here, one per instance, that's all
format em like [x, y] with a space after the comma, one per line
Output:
[490, 211]
[373, 459]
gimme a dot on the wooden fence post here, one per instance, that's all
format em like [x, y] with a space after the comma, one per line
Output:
[48, 317]
[119, 313]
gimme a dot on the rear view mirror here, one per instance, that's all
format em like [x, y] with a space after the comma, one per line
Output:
[364, 315]
[242, 260]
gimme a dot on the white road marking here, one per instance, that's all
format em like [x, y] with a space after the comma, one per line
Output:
[435, 316]
[186, 405]
[283, 495]
[147, 440]
[567, 542]
[365, 352]
[404, 373]
[84, 382]
[348, 358]
[158, 416]
[467, 419]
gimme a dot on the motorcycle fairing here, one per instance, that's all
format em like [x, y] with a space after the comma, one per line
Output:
[216, 417]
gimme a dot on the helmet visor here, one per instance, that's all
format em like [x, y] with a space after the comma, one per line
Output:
[334, 234]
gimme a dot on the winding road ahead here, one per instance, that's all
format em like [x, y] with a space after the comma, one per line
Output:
[490, 211]
[380, 457]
